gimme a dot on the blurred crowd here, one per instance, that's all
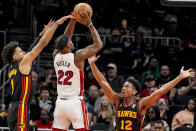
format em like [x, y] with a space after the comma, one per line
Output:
[153, 65]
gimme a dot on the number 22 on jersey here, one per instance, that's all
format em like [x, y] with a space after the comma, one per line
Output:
[68, 75]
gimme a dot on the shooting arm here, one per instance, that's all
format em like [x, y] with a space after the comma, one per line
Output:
[70, 28]
[92, 49]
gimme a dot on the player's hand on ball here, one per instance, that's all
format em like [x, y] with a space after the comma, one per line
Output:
[63, 19]
[86, 18]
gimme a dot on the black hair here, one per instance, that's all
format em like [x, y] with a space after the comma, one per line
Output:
[157, 113]
[159, 121]
[8, 51]
[191, 98]
[135, 83]
[61, 42]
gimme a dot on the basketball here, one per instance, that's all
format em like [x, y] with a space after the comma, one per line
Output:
[82, 7]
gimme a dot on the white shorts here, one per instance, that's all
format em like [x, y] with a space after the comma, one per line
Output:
[70, 111]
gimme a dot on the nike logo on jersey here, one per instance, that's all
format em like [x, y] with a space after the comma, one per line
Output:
[133, 106]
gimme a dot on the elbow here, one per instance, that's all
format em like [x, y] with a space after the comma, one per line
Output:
[100, 45]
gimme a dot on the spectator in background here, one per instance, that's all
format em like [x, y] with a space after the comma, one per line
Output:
[90, 79]
[46, 75]
[190, 90]
[104, 113]
[91, 113]
[44, 122]
[153, 114]
[35, 83]
[114, 50]
[115, 81]
[146, 27]
[190, 42]
[148, 54]
[150, 86]
[173, 60]
[45, 102]
[3, 116]
[93, 97]
[34, 109]
[125, 29]
[171, 29]
[184, 117]
[159, 126]
[165, 77]
[135, 54]
[153, 69]
[190, 48]
[85, 40]
[53, 88]
[165, 112]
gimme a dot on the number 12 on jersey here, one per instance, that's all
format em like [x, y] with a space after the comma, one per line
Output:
[126, 125]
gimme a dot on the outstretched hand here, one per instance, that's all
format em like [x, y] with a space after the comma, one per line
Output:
[93, 59]
[186, 73]
[63, 19]
[46, 27]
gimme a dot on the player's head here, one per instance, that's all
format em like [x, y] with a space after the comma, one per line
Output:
[12, 52]
[131, 87]
[64, 43]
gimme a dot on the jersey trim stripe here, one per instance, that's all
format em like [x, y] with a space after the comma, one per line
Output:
[84, 110]
[142, 117]
[12, 84]
[26, 86]
[81, 83]
[19, 108]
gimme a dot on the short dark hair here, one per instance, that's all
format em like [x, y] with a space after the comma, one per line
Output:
[8, 51]
[159, 122]
[61, 42]
[44, 87]
[135, 83]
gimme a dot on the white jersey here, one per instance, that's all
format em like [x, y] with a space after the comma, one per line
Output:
[70, 79]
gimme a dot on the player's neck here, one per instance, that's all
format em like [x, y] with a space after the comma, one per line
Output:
[129, 101]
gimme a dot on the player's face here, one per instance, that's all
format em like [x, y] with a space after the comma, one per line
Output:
[71, 45]
[127, 90]
[18, 54]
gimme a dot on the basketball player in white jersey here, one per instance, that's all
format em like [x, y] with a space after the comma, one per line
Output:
[70, 107]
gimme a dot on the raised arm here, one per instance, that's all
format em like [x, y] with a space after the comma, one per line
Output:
[97, 42]
[70, 28]
[46, 27]
[25, 64]
[146, 102]
[112, 96]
